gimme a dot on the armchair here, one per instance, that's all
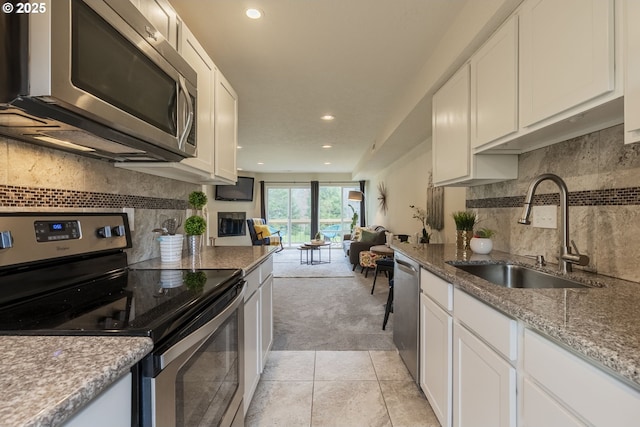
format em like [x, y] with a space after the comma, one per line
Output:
[262, 234]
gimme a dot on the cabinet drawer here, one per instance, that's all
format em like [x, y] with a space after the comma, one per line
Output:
[253, 282]
[438, 289]
[598, 397]
[494, 327]
[266, 268]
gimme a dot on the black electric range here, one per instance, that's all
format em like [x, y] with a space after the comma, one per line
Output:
[67, 274]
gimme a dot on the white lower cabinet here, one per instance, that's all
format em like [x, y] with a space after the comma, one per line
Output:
[484, 384]
[436, 344]
[252, 363]
[266, 316]
[436, 328]
[258, 326]
[111, 408]
[572, 391]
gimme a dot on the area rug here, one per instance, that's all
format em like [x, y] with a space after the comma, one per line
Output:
[330, 314]
[287, 264]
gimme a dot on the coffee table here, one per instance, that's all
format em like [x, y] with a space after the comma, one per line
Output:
[310, 248]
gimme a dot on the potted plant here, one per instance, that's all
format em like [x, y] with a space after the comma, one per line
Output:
[465, 221]
[195, 225]
[354, 219]
[481, 242]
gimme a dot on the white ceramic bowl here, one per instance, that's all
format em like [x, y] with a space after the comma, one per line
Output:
[481, 245]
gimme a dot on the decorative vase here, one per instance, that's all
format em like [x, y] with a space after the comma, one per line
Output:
[193, 244]
[462, 239]
[170, 248]
[480, 245]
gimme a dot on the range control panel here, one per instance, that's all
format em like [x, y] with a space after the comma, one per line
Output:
[33, 237]
[47, 231]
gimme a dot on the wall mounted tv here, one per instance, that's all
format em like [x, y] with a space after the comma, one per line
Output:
[242, 191]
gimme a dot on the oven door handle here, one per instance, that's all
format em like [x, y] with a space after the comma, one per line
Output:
[202, 333]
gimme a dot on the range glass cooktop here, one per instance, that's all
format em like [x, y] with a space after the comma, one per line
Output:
[129, 302]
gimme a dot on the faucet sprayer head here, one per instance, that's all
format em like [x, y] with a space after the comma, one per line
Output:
[526, 213]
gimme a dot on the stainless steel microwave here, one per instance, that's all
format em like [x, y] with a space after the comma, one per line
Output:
[96, 78]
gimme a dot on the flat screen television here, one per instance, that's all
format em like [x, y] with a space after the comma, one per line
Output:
[242, 191]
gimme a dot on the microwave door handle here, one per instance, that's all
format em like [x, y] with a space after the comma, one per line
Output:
[189, 124]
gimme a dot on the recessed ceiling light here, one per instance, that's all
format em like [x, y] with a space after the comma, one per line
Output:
[261, 163]
[239, 147]
[327, 117]
[327, 163]
[327, 146]
[239, 169]
[254, 13]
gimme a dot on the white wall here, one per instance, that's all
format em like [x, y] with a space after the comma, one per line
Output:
[406, 181]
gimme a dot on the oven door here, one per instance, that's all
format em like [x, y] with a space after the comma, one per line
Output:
[200, 381]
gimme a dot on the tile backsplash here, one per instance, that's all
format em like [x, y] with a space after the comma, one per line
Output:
[34, 178]
[603, 178]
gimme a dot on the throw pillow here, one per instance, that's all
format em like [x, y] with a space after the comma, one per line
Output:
[262, 231]
[357, 234]
[368, 236]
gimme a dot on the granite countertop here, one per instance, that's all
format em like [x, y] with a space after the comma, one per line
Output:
[601, 323]
[213, 257]
[46, 379]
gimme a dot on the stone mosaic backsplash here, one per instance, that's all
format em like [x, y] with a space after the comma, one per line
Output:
[12, 196]
[603, 178]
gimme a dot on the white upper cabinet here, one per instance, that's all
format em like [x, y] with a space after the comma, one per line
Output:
[494, 86]
[226, 130]
[162, 17]
[196, 56]
[631, 71]
[566, 55]
[451, 156]
[453, 161]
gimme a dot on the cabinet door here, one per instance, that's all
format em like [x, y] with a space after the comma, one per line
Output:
[484, 384]
[266, 314]
[566, 55]
[436, 330]
[541, 410]
[494, 86]
[162, 17]
[196, 56]
[632, 71]
[252, 365]
[226, 129]
[450, 135]
[111, 408]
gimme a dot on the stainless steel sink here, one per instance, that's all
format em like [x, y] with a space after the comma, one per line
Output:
[517, 276]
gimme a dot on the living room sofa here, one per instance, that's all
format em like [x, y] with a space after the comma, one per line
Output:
[352, 249]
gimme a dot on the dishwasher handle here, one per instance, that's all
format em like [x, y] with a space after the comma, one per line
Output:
[406, 266]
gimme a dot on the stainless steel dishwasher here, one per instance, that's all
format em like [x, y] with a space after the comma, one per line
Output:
[406, 311]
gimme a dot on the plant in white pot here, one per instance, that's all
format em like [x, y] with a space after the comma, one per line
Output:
[481, 242]
[195, 225]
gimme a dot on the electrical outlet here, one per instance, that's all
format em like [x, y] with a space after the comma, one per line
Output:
[130, 217]
[545, 216]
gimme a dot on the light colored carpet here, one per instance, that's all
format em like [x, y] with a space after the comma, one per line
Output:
[287, 264]
[330, 313]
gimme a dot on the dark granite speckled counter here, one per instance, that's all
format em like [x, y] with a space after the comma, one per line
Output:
[45, 380]
[600, 323]
[213, 257]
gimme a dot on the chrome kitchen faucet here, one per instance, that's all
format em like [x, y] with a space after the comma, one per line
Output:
[566, 258]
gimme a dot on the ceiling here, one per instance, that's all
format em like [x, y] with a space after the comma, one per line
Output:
[353, 59]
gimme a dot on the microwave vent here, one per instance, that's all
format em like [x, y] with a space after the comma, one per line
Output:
[85, 139]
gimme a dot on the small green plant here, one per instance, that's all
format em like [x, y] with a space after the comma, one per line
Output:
[354, 218]
[197, 199]
[484, 233]
[195, 225]
[465, 220]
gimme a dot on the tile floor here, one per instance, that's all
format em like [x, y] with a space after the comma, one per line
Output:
[338, 388]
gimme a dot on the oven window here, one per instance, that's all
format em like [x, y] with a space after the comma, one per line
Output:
[207, 382]
[108, 66]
